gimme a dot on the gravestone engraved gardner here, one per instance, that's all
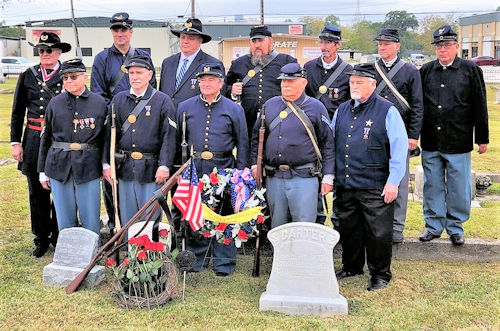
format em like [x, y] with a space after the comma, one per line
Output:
[303, 280]
[74, 251]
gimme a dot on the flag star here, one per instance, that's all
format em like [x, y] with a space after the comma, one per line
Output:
[369, 123]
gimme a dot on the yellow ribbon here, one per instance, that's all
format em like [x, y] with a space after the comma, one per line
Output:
[238, 218]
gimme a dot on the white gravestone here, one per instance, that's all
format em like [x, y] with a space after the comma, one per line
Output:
[74, 250]
[303, 280]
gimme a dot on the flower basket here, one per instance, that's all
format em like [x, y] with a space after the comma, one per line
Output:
[147, 278]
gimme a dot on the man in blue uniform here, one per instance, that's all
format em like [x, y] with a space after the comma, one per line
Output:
[328, 82]
[400, 83]
[109, 76]
[71, 149]
[298, 148]
[455, 117]
[252, 78]
[145, 138]
[370, 156]
[178, 72]
[214, 127]
[35, 87]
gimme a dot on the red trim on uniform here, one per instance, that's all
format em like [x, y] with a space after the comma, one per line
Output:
[34, 127]
[36, 119]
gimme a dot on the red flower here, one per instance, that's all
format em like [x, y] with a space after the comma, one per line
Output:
[242, 235]
[206, 234]
[149, 246]
[132, 241]
[158, 247]
[142, 240]
[110, 263]
[260, 219]
[125, 261]
[213, 178]
[227, 241]
[163, 233]
[141, 255]
[221, 227]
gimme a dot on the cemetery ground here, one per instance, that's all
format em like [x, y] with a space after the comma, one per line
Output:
[422, 294]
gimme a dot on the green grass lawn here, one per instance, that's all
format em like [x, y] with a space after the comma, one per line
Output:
[423, 294]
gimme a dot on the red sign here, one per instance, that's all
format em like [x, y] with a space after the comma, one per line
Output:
[295, 29]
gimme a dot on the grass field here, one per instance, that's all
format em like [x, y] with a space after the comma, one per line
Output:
[423, 295]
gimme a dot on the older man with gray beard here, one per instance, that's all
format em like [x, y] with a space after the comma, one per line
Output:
[252, 78]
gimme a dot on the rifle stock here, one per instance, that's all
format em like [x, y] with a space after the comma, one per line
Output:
[112, 161]
[75, 283]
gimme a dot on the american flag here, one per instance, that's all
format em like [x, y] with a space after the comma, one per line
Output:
[187, 198]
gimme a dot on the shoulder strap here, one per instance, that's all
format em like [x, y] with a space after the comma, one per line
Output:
[258, 68]
[42, 83]
[137, 110]
[117, 77]
[387, 80]
[306, 122]
[332, 78]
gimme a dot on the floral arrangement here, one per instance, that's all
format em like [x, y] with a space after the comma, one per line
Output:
[240, 188]
[147, 277]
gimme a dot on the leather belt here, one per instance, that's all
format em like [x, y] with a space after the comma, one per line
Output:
[286, 167]
[207, 155]
[35, 123]
[74, 146]
[139, 155]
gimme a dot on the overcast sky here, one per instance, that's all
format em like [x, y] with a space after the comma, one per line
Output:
[19, 11]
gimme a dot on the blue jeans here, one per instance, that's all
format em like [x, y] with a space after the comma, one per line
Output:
[69, 196]
[133, 195]
[447, 191]
[294, 199]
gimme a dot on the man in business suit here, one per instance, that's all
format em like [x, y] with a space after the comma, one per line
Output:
[178, 72]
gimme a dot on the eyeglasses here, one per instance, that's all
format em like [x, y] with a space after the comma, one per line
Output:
[45, 50]
[327, 42]
[444, 45]
[73, 77]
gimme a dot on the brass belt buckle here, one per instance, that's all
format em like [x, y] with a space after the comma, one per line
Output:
[206, 155]
[75, 146]
[284, 167]
[136, 155]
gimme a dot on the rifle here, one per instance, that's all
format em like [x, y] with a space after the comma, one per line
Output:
[258, 179]
[112, 150]
[75, 283]
[184, 144]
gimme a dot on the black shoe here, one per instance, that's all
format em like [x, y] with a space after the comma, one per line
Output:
[344, 274]
[427, 236]
[221, 274]
[39, 251]
[397, 237]
[457, 239]
[377, 284]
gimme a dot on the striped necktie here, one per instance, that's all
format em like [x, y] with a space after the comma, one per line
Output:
[181, 73]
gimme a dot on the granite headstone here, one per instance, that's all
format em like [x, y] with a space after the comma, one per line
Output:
[302, 280]
[74, 251]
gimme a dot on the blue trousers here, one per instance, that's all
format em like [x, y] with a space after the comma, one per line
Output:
[447, 191]
[133, 195]
[294, 199]
[70, 197]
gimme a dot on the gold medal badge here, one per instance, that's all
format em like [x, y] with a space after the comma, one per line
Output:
[322, 89]
[251, 73]
[283, 114]
[131, 118]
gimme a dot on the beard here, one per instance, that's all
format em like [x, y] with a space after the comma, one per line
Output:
[259, 59]
[355, 95]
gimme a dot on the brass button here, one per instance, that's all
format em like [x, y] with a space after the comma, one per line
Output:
[438, 128]
[442, 85]
[41, 116]
[348, 136]
[347, 166]
[41, 99]
[279, 137]
[347, 155]
[347, 176]
[439, 107]
[133, 130]
[76, 113]
[41, 90]
[355, 117]
[206, 139]
[41, 107]
[133, 145]
[347, 145]
[352, 126]
[279, 155]
[385, 96]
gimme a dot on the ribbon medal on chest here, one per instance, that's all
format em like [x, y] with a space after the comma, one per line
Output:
[366, 130]
[148, 110]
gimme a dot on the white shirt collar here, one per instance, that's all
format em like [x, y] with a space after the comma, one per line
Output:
[446, 65]
[140, 95]
[190, 57]
[329, 65]
[391, 62]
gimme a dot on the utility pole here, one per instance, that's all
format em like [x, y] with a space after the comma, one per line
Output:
[192, 9]
[261, 12]
[78, 48]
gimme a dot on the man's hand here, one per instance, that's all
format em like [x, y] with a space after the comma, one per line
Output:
[390, 193]
[162, 176]
[46, 185]
[412, 144]
[107, 175]
[254, 171]
[237, 89]
[326, 188]
[482, 148]
[17, 152]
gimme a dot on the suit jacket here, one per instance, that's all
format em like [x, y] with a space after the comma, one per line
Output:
[188, 87]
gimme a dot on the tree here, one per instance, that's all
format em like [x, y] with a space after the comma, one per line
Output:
[401, 19]
[15, 32]
[428, 25]
[314, 26]
[332, 20]
[360, 36]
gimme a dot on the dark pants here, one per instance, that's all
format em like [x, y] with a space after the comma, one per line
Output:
[365, 223]
[107, 192]
[42, 212]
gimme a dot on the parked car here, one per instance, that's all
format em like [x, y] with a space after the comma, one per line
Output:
[14, 65]
[417, 59]
[486, 61]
